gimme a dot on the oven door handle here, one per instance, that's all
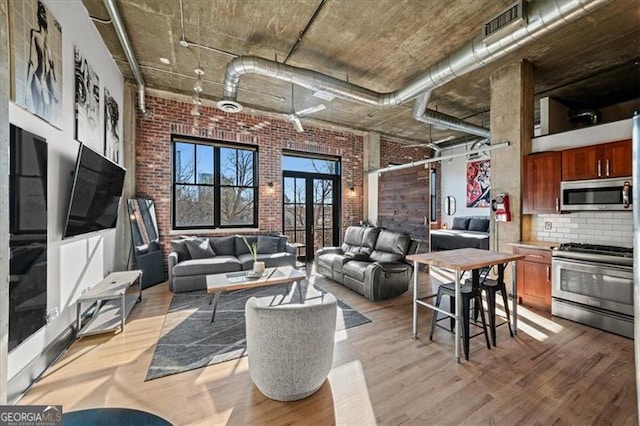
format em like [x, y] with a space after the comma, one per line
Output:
[593, 267]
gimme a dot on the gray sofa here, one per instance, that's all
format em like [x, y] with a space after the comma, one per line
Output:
[192, 259]
[465, 232]
[371, 262]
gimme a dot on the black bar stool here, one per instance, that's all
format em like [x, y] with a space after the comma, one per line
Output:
[490, 288]
[468, 293]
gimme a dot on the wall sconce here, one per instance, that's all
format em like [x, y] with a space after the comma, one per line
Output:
[270, 187]
[352, 190]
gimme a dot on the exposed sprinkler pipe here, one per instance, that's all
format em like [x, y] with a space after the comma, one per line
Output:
[441, 158]
[186, 43]
[128, 50]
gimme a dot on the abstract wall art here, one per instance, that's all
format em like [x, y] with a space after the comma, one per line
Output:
[478, 183]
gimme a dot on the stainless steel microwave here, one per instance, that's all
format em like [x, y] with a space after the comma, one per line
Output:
[596, 194]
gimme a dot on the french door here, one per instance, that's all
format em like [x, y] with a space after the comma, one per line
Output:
[311, 210]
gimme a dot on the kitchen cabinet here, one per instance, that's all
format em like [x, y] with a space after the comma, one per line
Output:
[533, 275]
[542, 183]
[597, 161]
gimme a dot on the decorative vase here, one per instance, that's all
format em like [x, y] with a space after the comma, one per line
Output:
[258, 268]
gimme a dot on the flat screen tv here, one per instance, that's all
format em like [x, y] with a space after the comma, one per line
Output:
[95, 195]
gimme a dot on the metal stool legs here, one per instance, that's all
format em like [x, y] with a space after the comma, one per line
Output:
[469, 294]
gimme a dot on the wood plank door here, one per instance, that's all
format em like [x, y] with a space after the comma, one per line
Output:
[403, 201]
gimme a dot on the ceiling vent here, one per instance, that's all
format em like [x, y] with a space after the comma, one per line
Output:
[507, 21]
[229, 106]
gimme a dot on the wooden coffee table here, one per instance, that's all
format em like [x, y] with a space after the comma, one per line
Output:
[219, 283]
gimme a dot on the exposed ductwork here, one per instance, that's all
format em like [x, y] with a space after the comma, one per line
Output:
[118, 26]
[436, 118]
[543, 16]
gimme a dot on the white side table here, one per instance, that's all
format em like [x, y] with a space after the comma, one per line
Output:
[118, 303]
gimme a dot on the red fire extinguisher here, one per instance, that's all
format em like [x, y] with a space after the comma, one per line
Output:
[501, 208]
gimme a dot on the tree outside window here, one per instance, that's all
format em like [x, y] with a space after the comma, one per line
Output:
[214, 186]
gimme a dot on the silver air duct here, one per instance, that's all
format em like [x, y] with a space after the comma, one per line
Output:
[118, 26]
[543, 16]
[436, 118]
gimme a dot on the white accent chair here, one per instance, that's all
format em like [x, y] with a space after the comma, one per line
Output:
[290, 346]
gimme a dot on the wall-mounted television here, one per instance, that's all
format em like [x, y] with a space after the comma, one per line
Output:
[95, 195]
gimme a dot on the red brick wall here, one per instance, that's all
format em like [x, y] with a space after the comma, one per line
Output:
[272, 136]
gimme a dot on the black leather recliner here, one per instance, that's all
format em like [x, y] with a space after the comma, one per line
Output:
[371, 262]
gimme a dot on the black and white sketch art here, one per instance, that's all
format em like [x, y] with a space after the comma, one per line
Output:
[37, 60]
[111, 136]
[87, 100]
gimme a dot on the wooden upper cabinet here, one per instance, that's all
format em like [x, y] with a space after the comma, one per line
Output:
[617, 159]
[582, 163]
[597, 161]
[542, 183]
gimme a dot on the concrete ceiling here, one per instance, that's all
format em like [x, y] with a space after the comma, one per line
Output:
[377, 44]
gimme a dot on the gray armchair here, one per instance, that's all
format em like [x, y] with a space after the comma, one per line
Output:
[290, 346]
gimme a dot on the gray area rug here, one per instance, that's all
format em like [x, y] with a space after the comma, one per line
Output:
[189, 340]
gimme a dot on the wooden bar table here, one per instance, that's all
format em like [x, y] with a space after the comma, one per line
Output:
[459, 261]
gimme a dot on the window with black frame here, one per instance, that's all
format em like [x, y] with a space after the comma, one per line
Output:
[214, 185]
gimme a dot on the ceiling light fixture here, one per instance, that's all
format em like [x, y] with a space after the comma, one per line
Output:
[165, 61]
[197, 102]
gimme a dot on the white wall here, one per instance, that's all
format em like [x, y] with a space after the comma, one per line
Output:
[78, 263]
[454, 182]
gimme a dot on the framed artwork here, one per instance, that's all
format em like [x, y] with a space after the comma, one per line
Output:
[87, 88]
[111, 121]
[478, 183]
[36, 44]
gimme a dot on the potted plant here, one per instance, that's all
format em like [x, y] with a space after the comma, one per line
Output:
[258, 267]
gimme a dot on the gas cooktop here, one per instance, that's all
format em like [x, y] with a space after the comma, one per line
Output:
[596, 249]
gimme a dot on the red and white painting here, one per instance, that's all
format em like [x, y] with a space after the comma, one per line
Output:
[478, 183]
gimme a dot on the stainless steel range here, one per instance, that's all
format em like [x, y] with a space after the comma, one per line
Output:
[593, 285]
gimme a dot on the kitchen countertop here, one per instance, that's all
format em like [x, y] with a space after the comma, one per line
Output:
[546, 245]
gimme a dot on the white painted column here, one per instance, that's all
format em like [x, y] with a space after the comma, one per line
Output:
[370, 161]
[4, 199]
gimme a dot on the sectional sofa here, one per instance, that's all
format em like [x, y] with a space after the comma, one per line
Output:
[192, 259]
[465, 232]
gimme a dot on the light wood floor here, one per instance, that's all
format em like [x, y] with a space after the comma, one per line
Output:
[553, 372]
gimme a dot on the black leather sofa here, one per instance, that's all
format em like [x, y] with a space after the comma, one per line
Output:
[465, 232]
[371, 262]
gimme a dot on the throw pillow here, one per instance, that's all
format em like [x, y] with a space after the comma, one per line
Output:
[461, 223]
[154, 246]
[199, 248]
[479, 225]
[180, 247]
[223, 246]
[268, 245]
[241, 246]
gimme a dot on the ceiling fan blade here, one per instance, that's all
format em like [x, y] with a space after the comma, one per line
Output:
[311, 110]
[296, 122]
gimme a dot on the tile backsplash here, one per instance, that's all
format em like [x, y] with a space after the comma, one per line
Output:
[608, 228]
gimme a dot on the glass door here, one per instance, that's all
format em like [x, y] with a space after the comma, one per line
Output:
[310, 213]
[323, 225]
